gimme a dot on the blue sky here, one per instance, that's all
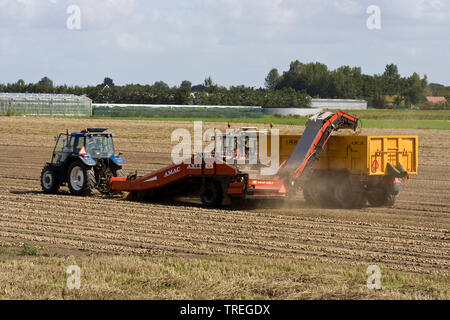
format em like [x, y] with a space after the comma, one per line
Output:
[233, 41]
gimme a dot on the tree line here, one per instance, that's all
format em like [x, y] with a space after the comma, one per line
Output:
[292, 88]
[207, 93]
[350, 83]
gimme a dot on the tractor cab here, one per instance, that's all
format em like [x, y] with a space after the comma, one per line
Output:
[92, 143]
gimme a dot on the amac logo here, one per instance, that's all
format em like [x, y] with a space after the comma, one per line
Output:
[172, 172]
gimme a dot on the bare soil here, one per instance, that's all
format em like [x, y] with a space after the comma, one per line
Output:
[413, 236]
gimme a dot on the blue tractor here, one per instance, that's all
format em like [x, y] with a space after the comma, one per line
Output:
[84, 161]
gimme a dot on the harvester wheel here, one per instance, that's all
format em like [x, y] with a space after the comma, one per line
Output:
[81, 179]
[116, 172]
[311, 195]
[212, 195]
[49, 180]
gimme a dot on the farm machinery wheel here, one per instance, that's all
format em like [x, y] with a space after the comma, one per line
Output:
[212, 195]
[81, 179]
[383, 196]
[318, 191]
[346, 197]
[105, 174]
[49, 180]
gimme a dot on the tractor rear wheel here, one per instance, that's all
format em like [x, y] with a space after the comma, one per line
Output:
[49, 180]
[212, 195]
[81, 179]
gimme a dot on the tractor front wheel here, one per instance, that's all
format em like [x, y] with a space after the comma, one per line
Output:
[49, 180]
[81, 179]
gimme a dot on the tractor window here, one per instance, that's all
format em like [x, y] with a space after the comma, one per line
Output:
[61, 144]
[79, 143]
[100, 146]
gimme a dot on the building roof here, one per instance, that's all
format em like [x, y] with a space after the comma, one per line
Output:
[436, 99]
[41, 96]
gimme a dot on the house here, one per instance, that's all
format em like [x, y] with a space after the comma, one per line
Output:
[436, 100]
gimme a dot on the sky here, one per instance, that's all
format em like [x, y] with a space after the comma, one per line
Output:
[236, 42]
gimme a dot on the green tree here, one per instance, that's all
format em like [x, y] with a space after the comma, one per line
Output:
[208, 83]
[272, 79]
[391, 79]
[415, 92]
[161, 85]
[108, 82]
[186, 84]
[46, 82]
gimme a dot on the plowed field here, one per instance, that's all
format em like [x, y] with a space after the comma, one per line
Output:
[412, 236]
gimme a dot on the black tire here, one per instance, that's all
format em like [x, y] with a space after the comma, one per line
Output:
[319, 192]
[49, 180]
[81, 179]
[347, 198]
[376, 197]
[391, 198]
[383, 196]
[117, 172]
[212, 195]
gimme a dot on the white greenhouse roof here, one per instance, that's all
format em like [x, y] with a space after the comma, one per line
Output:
[40, 96]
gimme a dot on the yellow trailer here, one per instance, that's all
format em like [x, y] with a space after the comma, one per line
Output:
[369, 155]
[351, 170]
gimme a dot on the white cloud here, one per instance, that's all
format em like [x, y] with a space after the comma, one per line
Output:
[348, 7]
[427, 10]
[98, 13]
[133, 43]
[105, 13]
[270, 12]
[217, 36]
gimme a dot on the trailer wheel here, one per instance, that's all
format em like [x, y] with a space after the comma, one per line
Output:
[346, 197]
[317, 193]
[49, 180]
[384, 196]
[212, 195]
[81, 179]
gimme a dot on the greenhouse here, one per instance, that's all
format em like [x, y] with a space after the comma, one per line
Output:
[44, 104]
[176, 111]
